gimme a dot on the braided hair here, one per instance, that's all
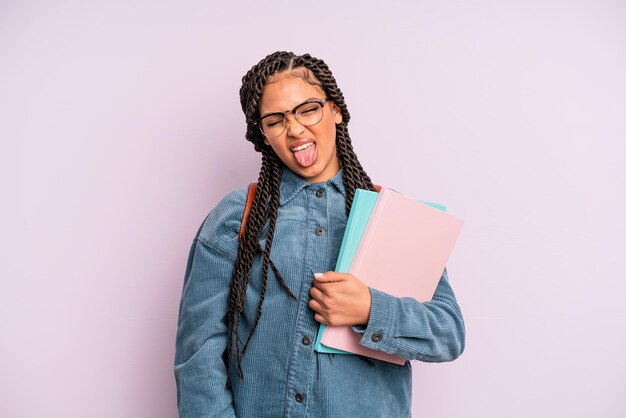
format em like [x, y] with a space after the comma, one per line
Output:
[265, 204]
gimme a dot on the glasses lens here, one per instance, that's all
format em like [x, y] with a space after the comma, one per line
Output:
[309, 113]
[273, 125]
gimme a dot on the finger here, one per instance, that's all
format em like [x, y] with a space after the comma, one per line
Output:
[325, 288]
[315, 305]
[330, 276]
[319, 318]
[317, 294]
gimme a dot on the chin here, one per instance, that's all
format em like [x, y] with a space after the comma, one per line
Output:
[308, 173]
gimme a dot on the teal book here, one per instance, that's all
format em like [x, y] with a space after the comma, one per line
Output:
[362, 207]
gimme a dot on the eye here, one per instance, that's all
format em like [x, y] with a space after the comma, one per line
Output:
[309, 108]
[273, 120]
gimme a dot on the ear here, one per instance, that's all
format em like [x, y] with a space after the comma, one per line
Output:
[265, 140]
[336, 113]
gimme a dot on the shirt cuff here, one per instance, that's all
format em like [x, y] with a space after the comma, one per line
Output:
[380, 327]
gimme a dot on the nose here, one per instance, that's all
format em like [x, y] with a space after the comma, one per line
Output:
[294, 128]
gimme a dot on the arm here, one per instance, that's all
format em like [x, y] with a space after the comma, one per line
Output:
[202, 336]
[432, 331]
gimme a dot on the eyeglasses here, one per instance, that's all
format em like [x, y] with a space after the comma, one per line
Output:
[308, 113]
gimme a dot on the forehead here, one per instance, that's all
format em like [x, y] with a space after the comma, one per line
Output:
[284, 92]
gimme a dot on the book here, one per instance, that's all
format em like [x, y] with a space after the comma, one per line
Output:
[402, 250]
[360, 211]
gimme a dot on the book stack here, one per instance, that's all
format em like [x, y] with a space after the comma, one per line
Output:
[396, 245]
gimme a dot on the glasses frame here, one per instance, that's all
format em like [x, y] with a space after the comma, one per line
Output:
[322, 102]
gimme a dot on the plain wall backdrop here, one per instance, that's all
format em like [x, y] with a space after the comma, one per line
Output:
[120, 129]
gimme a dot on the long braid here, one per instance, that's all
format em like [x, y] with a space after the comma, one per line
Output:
[263, 209]
[265, 204]
[245, 257]
[276, 175]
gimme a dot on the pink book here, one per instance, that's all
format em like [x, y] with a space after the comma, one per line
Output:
[403, 252]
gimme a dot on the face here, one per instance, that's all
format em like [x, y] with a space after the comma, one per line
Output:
[308, 151]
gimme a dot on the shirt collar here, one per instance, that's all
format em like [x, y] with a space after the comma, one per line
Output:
[291, 184]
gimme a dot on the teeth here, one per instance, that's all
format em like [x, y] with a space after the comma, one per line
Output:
[301, 147]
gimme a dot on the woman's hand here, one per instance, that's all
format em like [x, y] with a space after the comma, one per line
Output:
[340, 299]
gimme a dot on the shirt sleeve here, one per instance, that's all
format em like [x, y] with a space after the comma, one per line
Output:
[202, 336]
[431, 331]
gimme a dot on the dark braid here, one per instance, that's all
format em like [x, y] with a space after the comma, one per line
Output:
[265, 204]
[269, 178]
[273, 208]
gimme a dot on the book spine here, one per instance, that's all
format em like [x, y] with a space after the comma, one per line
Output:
[371, 226]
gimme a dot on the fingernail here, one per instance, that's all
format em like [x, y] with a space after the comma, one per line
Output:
[318, 275]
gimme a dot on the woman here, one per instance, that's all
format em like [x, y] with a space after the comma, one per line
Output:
[251, 306]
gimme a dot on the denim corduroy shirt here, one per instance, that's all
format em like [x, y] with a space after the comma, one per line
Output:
[283, 375]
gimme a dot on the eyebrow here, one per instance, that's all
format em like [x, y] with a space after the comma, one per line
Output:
[289, 110]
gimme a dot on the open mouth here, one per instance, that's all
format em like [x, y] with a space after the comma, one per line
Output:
[306, 153]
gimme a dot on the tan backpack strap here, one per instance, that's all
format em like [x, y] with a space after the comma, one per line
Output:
[246, 211]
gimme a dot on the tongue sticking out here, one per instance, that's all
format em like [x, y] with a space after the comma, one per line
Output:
[307, 156]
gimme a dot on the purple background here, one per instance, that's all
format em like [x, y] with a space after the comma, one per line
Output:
[121, 128]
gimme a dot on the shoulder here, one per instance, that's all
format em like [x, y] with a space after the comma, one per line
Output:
[220, 229]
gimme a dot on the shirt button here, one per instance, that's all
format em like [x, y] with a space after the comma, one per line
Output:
[377, 336]
[319, 232]
[319, 193]
[299, 398]
[306, 340]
